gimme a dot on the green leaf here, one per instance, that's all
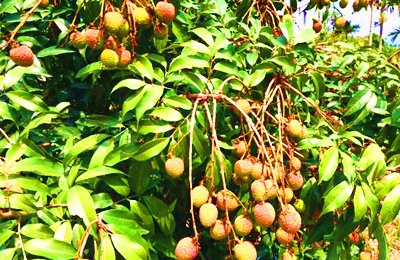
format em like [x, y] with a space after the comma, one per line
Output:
[28, 183]
[89, 69]
[160, 211]
[27, 100]
[7, 254]
[143, 213]
[37, 231]
[360, 204]
[366, 110]
[118, 183]
[64, 232]
[391, 206]
[196, 46]
[106, 249]
[40, 166]
[52, 51]
[43, 118]
[205, 35]
[15, 152]
[349, 169]
[319, 84]
[380, 235]
[358, 101]
[180, 63]
[97, 172]
[305, 35]
[286, 64]
[167, 114]
[369, 156]
[372, 201]
[149, 99]
[132, 101]
[5, 236]
[329, 164]
[8, 112]
[386, 185]
[129, 249]
[22, 202]
[132, 84]
[50, 248]
[85, 144]
[102, 200]
[177, 101]
[122, 217]
[101, 153]
[257, 77]
[287, 29]
[80, 203]
[337, 197]
[150, 149]
[226, 67]
[144, 67]
[139, 173]
[152, 126]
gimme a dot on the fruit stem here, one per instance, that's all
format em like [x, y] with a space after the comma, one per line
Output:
[20, 239]
[24, 20]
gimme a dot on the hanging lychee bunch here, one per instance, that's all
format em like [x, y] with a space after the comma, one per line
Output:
[22, 56]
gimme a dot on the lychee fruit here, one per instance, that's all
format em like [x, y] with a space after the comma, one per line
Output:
[317, 26]
[243, 225]
[186, 249]
[142, 18]
[340, 22]
[219, 230]
[288, 194]
[244, 105]
[44, 3]
[241, 181]
[245, 251]
[208, 214]
[231, 202]
[240, 149]
[294, 129]
[112, 43]
[123, 30]
[299, 205]
[290, 220]
[160, 31]
[356, 6]
[270, 190]
[365, 255]
[22, 56]
[288, 256]
[243, 168]
[259, 170]
[258, 190]
[125, 58]
[174, 167]
[284, 237]
[200, 196]
[264, 214]
[94, 39]
[113, 21]
[354, 237]
[343, 3]
[325, 2]
[295, 180]
[78, 40]
[296, 163]
[165, 12]
[109, 58]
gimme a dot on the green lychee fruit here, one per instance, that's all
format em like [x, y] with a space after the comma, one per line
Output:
[200, 196]
[243, 225]
[160, 31]
[22, 56]
[208, 214]
[125, 58]
[219, 230]
[186, 249]
[340, 22]
[264, 214]
[231, 201]
[290, 220]
[284, 237]
[258, 190]
[240, 149]
[113, 21]
[174, 167]
[294, 129]
[245, 251]
[109, 58]
[142, 18]
[78, 40]
[295, 180]
[343, 3]
[94, 39]
[165, 12]
[241, 181]
[243, 168]
[244, 105]
[299, 205]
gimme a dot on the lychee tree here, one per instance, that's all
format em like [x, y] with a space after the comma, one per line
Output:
[191, 130]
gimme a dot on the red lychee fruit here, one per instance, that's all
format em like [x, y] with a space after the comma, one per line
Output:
[186, 249]
[22, 56]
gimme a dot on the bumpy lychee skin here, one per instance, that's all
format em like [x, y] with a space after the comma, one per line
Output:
[113, 21]
[258, 190]
[208, 214]
[365, 255]
[288, 194]
[94, 39]
[264, 214]
[299, 205]
[295, 180]
[200, 196]
[243, 225]
[22, 56]
[244, 105]
[258, 171]
[243, 168]
[296, 163]
[174, 167]
[290, 220]
[284, 237]
[231, 201]
[186, 249]
[294, 129]
[288, 256]
[219, 231]
[271, 190]
[78, 40]
[245, 251]
[142, 18]
[165, 12]
[125, 58]
[340, 22]
[240, 149]
[109, 58]
[160, 31]
[354, 237]
[123, 30]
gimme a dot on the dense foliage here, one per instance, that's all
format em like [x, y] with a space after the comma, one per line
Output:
[85, 139]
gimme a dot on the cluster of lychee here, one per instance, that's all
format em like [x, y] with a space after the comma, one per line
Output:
[116, 28]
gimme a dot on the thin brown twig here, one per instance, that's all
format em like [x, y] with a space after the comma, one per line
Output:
[24, 20]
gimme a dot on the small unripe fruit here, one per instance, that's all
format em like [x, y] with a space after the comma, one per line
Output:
[271, 190]
[94, 39]
[288, 194]
[44, 3]
[264, 214]
[299, 205]
[317, 26]
[208, 214]
[243, 225]
[22, 56]
[258, 190]
[244, 105]
[186, 249]
[160, 31]
[245, 251]
[142, 18]
[200, 196]
[231, 201]
[258, 171]
[219, 231]
[284, 237]
[125, 58]
[343, 3]
[295, 180]
[240, 149]
[165, 12]
[294, 129]
[365, 255]
[314, 1]
[113, 21]
[243, 168]
[174, 167]
[296, 163]
[354, 237]
[109, 58]
[356, 6]
[290, 220]
[78, 40]
[340, 22]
